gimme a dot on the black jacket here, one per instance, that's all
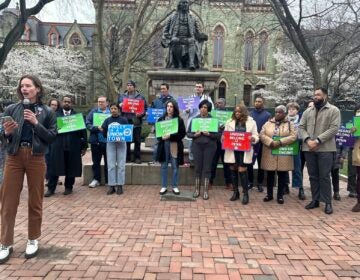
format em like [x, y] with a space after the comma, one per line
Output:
[176, 137]
[44, 132]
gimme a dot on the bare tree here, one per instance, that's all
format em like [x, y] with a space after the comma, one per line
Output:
[334, 25]
[18, 29]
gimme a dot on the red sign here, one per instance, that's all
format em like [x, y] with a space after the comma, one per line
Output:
[135, 106]
[236, 141]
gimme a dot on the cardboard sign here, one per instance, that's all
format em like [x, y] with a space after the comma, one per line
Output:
[136, 106]
[236, 141]
[289, 150]
[191, 102]
[70, 123]
[99, 118]
[344, 137]
[204, 124]
[154, 114]
[221, 115]
[167, 127]
[356, 121]
[120, 132]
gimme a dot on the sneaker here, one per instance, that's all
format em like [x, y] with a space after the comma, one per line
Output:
[32, 249]
[163, 191]
[67, 191]
[94, 183]
[5, 252]
[176, 190]
[48, 193]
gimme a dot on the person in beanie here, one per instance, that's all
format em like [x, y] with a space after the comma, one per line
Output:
[135, 119]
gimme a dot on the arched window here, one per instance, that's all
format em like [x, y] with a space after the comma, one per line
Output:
[53, 39]
[26, 35]
[263, 43]
[126, 39]
[114, 45]
[219, 36]
[249, 45]
[222, 90]
[247, 95]
[75, 39]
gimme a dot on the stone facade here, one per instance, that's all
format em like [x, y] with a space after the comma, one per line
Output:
[240, 31]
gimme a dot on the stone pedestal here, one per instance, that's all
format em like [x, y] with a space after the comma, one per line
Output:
[182, 82]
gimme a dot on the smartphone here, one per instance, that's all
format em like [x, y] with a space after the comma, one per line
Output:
[6, 119]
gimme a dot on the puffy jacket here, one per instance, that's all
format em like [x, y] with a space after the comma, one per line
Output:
[44, 133]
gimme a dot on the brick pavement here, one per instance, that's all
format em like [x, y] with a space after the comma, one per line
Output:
[90, 235]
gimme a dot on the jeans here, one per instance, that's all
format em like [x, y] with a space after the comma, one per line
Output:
[137, 144]
[116, 156]
[97, 152]
[164, 167]
[297, 177]
[319, 166]
[15, 168]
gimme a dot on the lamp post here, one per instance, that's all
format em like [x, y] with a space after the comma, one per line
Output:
[235, 95]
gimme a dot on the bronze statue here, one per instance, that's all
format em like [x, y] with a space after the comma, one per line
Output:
[183, 38]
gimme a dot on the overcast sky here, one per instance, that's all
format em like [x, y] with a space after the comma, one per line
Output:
[64, 10]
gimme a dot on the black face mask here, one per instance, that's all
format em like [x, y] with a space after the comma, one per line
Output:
[318, 103]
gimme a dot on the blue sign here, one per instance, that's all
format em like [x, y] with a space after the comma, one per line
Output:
[154, 114]
[120, 132]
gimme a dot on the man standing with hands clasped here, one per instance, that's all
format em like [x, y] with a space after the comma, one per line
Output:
[318, 127]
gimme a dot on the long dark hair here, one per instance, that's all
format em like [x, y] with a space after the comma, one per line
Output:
[176, 108]
[37, 83]
[243, 110]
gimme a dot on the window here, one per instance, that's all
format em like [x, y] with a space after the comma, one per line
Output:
[222, 90]
[218, 38]
[126, 39]
[26, 35]
[263, 43]
[247, 95]
[114, 46]
[75, 39]
[249, 42]
[53, 39]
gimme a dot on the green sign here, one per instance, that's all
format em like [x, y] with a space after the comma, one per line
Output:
[289, 150]
[167, 127]
[70, 123]
[205, 124]
[99, 118]
[357, 125]
[221, 115]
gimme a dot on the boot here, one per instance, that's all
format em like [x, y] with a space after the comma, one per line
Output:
[301, 194]
[244, 184]
[356, 208]
[111, 190]
[197, 187]
[119, 190]
[206, 189]
[236, 193]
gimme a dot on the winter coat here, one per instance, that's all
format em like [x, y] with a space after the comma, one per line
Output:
[78, 143]
[176, 137]
[273, 162]
[131, 117]
[250, 127]
[96, 135]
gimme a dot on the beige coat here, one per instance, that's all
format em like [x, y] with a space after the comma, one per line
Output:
[356, 153]
[272, 162]
[251, 127]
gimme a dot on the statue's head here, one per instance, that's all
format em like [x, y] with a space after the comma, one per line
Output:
[183, 6]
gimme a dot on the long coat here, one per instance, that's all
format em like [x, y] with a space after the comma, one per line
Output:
[356, 153]
[229, 156]
[176, 137]
[78, 143]
[288, 132]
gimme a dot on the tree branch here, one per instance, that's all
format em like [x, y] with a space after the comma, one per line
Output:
[5, 4]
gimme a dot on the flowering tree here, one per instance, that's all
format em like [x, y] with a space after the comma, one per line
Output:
[62, 71]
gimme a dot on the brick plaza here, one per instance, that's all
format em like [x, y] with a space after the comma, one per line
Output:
[91, 235]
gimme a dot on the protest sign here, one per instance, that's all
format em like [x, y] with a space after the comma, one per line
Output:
[204, 124]
[237, 141]
[153, 114]
[221, 115]
[344, 137]
[120, 132]
[70, 123]
[288, 150]
[136, 106]
[191, 102]
[167, 127]
[99, 118]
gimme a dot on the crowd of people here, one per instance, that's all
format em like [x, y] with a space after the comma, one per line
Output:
[38, 149]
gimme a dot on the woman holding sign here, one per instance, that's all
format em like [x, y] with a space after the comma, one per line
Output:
[171, 148]
[204, 130]
[242, 154]
[276, 135]
[29, 128]
[115, 152]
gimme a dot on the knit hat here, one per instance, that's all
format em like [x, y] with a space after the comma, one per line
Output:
[131, 82]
